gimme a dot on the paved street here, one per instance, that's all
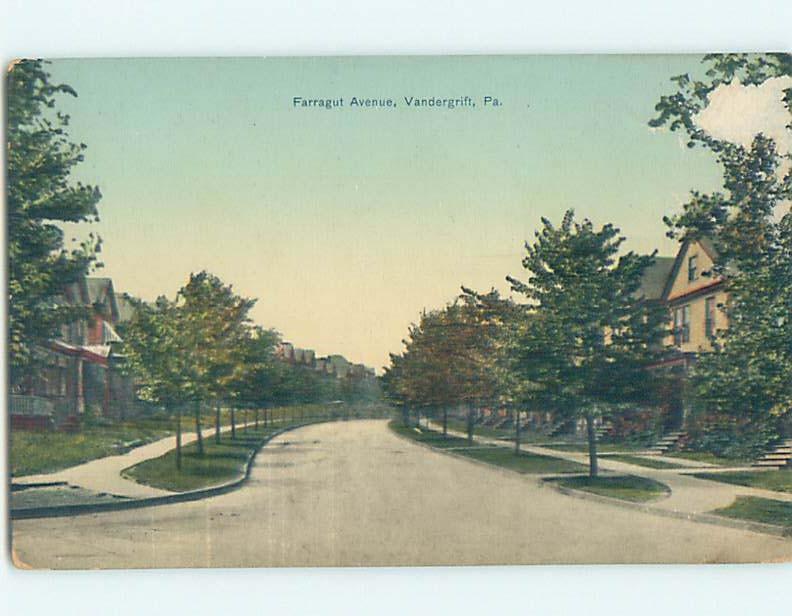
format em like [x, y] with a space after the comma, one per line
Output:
[355, 494]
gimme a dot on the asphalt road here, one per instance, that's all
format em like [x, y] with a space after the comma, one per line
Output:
[347, 494]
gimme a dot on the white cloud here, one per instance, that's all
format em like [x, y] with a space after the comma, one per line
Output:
[738, 113]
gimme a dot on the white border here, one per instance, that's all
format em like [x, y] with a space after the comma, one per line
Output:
[202, 28]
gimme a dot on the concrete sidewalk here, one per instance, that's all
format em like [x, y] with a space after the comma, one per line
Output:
[689, 495]
[103, 475]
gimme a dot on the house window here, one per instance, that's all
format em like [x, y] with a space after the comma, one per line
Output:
[692, 268]
[709, 316]
[682, 325]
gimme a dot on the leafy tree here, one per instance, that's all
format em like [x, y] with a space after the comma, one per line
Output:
[42, 196]
[154, 348]
[745, 380]
[256, 372]
[214, 326]
[593, 336]
[188, 351]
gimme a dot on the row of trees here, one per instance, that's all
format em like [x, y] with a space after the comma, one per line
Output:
[201, 349]
[578, 345]
[581, 342]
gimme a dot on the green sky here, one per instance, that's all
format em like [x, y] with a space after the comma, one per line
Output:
[346, 223]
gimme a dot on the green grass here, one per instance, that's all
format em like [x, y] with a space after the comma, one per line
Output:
[765, 510]
[44, 452]
[705, 456]
[779, 481]
[497, 456]
[647, 462]
[626, 487]
[431, 437]
[601, 447]
[524, 462]
[220, 463]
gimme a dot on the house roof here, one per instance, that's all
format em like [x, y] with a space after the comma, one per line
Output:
[100, 290]
[125, 307]
[655, 277]
[706, 244]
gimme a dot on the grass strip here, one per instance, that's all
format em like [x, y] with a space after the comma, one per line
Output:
[710, 458]
[778, 481]
[641, 461]
[754, 509]
[219, 464]
[497, 456]
[624, 487]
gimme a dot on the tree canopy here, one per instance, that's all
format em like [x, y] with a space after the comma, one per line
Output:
[41, 197]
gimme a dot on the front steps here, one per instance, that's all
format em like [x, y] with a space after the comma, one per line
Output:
[667, 443]
[778, 457]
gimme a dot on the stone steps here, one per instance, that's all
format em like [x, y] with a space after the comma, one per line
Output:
[667, 443]
[778, 457]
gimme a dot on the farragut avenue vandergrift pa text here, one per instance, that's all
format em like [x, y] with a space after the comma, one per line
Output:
[415, 102]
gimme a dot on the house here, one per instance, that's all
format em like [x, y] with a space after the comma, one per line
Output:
[81, 369]
[693, 294]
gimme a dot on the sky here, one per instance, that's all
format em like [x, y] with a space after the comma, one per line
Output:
[345, 223]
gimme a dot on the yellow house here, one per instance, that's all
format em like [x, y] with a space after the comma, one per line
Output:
[694, 296]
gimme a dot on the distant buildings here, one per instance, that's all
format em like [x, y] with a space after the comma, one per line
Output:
[335, 365]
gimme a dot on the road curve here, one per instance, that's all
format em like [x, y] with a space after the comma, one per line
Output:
[354, 494]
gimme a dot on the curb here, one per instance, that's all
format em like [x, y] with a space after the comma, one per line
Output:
[705, 518]
[153, 501]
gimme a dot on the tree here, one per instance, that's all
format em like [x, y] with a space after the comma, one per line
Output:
[154, 348]
[214, 326]
[593, 336]
[42, 196]
[745, 380]
[187, 351]
[254, 381]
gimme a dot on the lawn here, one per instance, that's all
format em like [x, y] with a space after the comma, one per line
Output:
[601, 447]
[220, 463]
[765, 510]
[640, 461]
[497, 456]
[45, 452]
[524, 462]
[424, 435]
[625, 487]
[705, 456]
[779, 481]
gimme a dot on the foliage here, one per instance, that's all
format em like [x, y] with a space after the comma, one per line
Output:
[588, 336]
[41, 197]
[750, 225]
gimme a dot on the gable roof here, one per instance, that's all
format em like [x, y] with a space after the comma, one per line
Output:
[100, 290]
[707, 246]
[655, 277]
[126, 309]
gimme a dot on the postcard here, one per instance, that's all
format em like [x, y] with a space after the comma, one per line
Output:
[399, 311]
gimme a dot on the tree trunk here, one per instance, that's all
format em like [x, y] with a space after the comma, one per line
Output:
[233, 423]
[255, 418]
[178, 438]
[406, 415]
[198, 428]
[417, 416]
[470, 423]
[592, 443]
[217, 423]
[517, 431]
[445, 420]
